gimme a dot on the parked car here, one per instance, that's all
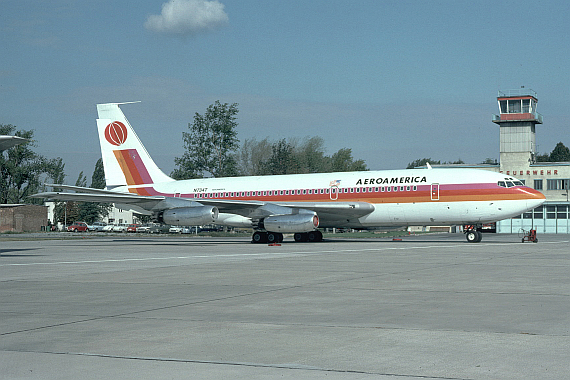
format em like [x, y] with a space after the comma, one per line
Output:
[132, 227]
[120, 227]
[96, 226]
[179, 230]
[108, 228]
[144, 227]
[78, 227]
[159, 229]
[211, 228]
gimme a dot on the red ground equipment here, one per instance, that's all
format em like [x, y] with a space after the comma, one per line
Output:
[530, 236]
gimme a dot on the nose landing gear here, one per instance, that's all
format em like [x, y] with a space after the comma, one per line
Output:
[472, 233]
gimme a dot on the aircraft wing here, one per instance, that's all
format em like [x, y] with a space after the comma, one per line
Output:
[327, 211]
[138, 200]
[6, 142]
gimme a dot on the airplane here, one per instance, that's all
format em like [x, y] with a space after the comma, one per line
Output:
[298, 204]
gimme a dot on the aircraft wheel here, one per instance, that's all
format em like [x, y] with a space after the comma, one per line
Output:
[274, 237]
[479, 236]
[315, 236]
[473, 236]
[259, 237]
[301, 237]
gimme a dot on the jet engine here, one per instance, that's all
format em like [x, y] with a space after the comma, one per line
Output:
[291, 223]
[190, 216]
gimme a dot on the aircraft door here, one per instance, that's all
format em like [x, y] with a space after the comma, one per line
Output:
[333, 192]
[435, 191]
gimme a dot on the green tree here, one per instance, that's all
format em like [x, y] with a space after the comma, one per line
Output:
[210, 145]
[252, 156]
[22, 170]
[560, 153]
[98, 177]
[489, 160]
[311, 156]
[342, 161]
[292, 156]
[282, 159]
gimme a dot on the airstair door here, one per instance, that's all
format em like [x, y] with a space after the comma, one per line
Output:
[435, 191]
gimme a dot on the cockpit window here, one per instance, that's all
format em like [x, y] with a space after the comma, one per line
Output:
[518, 183]
[501, 183]
[510, 184]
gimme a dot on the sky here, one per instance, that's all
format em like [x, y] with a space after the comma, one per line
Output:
[394, 81]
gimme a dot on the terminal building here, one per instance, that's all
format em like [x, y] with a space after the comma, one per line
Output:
[517, 121]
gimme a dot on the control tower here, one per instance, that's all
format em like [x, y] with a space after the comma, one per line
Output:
[517, 119]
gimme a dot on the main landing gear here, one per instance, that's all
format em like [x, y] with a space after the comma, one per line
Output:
[277, 237]
[312, 236]
[472, 234]
[266, 237]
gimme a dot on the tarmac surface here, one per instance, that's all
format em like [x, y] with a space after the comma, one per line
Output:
[427, 307]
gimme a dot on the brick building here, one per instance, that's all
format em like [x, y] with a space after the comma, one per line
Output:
[22, 218]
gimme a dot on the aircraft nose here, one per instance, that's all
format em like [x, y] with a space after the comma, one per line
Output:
[531, 204]
[535, 201]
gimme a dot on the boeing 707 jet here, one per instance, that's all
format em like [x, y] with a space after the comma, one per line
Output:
[298, 204]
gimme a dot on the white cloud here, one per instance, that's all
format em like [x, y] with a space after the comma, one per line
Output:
[188, 17]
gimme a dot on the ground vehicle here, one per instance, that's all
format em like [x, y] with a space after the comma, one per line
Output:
[158, 229]
[180, 230]
[78, 227]
[96, 226]
[120, 227]
[108, 228]
[211, 228]
[133, 227]
[144, 227]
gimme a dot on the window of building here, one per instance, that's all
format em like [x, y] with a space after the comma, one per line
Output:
[503, 104]
[538, 184]
[514, 106]
[562, 212]
[557, 184]
[526, 106]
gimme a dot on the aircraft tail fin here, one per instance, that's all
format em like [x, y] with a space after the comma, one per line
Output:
[125, 159]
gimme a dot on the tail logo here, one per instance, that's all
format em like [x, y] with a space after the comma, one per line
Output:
[116, 133]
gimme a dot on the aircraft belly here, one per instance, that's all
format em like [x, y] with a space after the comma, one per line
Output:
[430, 213]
